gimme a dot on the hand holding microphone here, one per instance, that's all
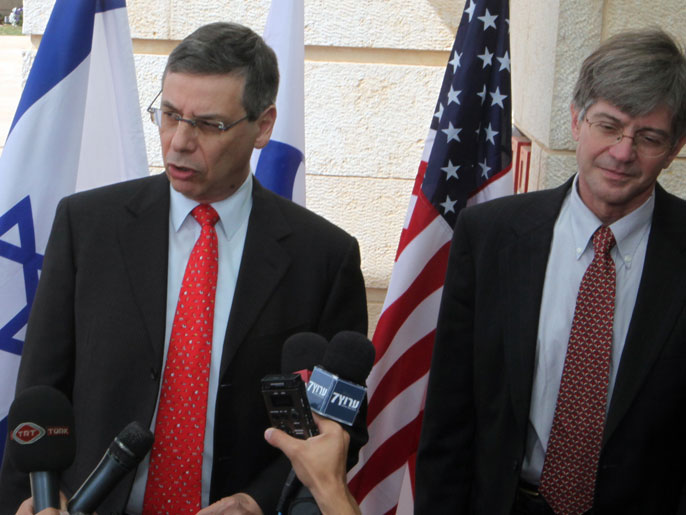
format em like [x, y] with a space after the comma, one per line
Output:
[334, 391]
[320, 464]
[284, 394]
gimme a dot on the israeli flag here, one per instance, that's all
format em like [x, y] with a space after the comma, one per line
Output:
[280, 165]
[78, 125]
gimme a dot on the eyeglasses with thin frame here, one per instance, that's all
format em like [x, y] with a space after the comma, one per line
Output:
[166, 119]
[647, 142]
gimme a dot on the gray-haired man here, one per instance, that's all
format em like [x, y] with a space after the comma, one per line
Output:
[558, 382]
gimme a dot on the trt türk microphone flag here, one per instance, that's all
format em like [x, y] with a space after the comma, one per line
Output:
[78, 125]
[42, 441]
[280, 165]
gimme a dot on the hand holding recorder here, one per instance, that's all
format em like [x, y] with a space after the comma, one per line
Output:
[320, 464]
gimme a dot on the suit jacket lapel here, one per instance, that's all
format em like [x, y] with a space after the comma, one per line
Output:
[655, 313]
[144, 240]
[263, 264]
[522, 274]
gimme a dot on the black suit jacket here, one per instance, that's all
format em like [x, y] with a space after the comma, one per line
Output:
[97, 325]
[477, 409]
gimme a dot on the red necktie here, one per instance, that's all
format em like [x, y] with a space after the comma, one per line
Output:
[175, 475]
[571, 461]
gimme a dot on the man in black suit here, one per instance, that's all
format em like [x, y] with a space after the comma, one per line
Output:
[507, 312]
[101, 321]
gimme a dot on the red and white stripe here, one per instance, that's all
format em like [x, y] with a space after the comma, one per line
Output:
[383, 478]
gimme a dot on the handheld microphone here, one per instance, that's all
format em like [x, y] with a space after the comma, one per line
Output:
[284, 394]
[41, 440]
[127, 449]
[301, 353]
[286, 399]
[344, 365]
[335, 388]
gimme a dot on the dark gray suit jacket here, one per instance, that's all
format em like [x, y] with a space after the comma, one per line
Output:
[475, 423]
[96, 329]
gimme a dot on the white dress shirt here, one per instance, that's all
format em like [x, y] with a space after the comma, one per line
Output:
[571, 253]
[184, 231]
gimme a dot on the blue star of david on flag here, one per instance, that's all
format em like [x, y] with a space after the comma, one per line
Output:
[25, 255]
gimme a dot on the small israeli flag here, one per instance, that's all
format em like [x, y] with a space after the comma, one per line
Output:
[280, 165]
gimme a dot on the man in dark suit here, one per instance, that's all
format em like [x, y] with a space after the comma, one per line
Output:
[105, 307]
[495, 439]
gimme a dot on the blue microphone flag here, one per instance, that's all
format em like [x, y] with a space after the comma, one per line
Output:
[333, 397]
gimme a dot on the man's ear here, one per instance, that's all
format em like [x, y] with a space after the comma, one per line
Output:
[674, 152]
[265, 125]
[576, 123]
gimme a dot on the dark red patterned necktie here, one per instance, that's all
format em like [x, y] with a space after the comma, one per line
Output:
[175, 475]
[571, 461]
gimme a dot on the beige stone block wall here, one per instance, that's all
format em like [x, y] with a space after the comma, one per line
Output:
[367, 119]
[550, 39]
[674, 177]
[668, 14]
[398, 24]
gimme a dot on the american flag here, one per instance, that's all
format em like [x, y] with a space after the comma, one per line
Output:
[467, 159]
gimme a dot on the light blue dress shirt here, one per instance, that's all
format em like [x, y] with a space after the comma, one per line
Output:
[570, 254]
[184, 231]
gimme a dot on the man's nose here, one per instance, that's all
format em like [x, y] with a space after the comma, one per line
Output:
[624, 149]
[185, 137]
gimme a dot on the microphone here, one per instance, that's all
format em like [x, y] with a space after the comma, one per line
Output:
[345, 363]
[301, 353]
[41, 440]
[127, 449]
[334, 390]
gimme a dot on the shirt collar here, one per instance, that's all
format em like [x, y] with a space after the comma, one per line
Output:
[234, 208]
[628, 230]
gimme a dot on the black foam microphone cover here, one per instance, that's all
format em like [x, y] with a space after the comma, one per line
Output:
[349, 355]
[132, 444]
[302, 351]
